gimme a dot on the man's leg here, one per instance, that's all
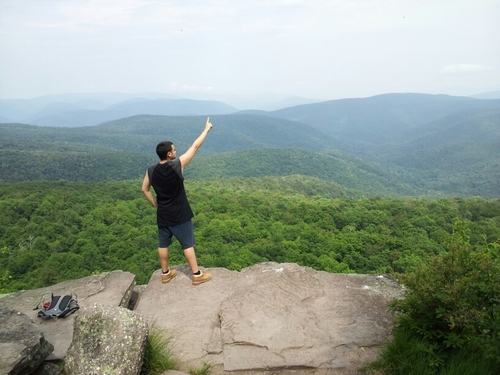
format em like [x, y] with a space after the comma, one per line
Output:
[185, 234]
[163, 255]
[198, 276]
[190, 256]
[164, 240]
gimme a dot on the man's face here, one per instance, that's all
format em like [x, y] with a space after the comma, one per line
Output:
[172, 154]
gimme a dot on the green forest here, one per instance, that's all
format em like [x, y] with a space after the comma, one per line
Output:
[455, 156]
[55, 231]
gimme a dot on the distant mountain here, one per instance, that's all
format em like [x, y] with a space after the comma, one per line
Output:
[60, 110]
[454, 155]
[475, 125]
[230, 133]
[379, 119]
[122, 149]
[37, 156]
[291, 101]
[487, 95]
[25, 110]
[165, 107]
[459, 153]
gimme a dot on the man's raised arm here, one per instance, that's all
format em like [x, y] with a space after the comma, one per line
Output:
[189, 154]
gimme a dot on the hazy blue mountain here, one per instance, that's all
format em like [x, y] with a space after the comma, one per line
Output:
[379, 119]
[165, 107]
[230, 133]
[239, 145]
[291, 101]
[457, 154]
[454, 155]
[475, 125]
[17, 110]
[487, 95]
[457, 142]
[142, 133]
[123, 149]
[26, 110]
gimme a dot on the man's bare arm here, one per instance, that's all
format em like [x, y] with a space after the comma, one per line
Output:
[189, 154]
[146, 190]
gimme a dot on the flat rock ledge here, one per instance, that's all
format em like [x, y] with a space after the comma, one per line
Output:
[271, 317]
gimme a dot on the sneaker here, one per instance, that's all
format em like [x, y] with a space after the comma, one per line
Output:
[203, 278]
[165, 278]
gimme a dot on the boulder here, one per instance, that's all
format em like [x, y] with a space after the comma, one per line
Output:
[106, 340]
[110, 288]
[22, 345]
[273, 317]
[48, 368]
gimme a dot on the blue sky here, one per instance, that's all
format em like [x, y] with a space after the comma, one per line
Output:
[219, 48]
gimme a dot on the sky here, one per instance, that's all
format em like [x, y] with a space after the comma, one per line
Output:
[317, 49]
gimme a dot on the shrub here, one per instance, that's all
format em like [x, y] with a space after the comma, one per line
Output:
[408, 354]
[453, 300]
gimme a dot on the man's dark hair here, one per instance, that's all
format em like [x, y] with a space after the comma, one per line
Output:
[163, 148]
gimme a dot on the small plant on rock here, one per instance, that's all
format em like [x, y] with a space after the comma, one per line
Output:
[158, 356]
[205, 370]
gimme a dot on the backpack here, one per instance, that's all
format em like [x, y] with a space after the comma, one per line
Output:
[57, 306]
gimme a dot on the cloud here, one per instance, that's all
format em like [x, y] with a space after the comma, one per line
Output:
[465, 68]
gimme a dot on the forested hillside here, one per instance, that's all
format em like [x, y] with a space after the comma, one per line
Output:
[53, 231]
[368, 179]
[381, 119]
[454, 156]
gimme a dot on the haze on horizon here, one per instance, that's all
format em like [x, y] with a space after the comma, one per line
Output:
[318, 49]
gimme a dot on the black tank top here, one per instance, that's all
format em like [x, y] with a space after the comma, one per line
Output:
[168, 183]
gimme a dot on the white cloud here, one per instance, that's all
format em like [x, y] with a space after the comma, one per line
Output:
[315, 48]
[465, 68]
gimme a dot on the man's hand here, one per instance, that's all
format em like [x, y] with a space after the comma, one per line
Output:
[208, 124]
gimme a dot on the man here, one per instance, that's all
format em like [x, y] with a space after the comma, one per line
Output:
[173, 212]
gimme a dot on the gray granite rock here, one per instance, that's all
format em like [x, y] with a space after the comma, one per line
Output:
[273, 317]
[107, 340]
[109, 288]
[23, 346]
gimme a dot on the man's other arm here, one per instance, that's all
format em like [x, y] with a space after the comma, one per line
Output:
[146, 190]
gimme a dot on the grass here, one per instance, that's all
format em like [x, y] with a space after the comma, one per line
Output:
[408, 355]
[158, 356]
[205, 370]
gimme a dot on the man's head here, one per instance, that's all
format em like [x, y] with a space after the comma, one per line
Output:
[166, 150]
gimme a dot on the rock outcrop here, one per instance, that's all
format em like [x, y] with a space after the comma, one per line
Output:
[106, 340]
[279, 318]
[22, 346]
[110, 288]
[273, 317]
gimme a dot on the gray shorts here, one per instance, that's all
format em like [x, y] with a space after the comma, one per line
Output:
[183, 232]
